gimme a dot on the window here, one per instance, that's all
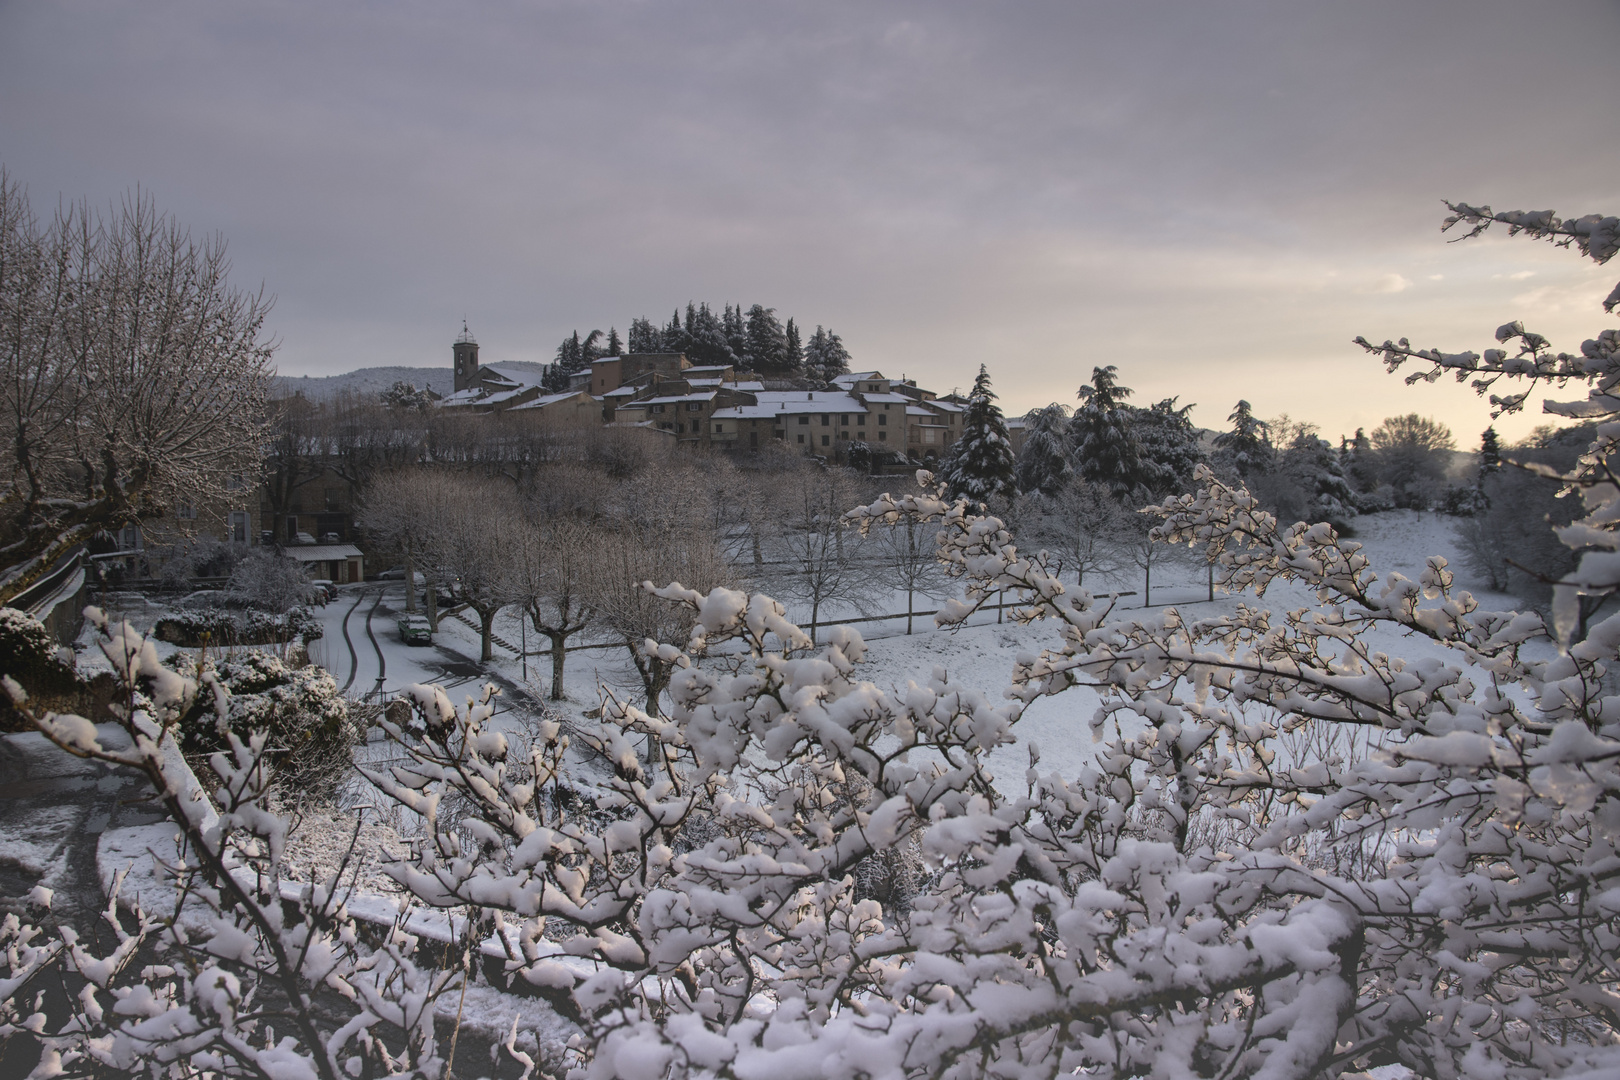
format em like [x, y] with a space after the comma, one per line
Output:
[780, 434]
[883, 436]
[129, 538]
[657, 408]
[186, 510]
[824, 440]
[882, 420]
[804, 420]
[860, 418]
[239, 523]
[718, 430]
[235, 482]
[801, 438]
[826, 420]
[844, 419]
[843, 434]
[694, 406]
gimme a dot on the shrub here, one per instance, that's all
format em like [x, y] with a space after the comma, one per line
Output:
[28, 655]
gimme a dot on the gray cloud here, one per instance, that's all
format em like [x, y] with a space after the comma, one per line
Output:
[1214, 197]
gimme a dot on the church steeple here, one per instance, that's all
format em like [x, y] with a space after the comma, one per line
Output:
[465, 353]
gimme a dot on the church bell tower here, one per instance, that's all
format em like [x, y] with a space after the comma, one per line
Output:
[465, 352]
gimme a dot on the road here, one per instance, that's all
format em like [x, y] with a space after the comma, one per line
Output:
[363, 651]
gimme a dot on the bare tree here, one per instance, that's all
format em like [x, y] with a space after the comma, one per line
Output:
[1079, 527]
[909, 554]
[651, 629]
[471, 548]
[818, 549]
[132, 375]
[555, 563]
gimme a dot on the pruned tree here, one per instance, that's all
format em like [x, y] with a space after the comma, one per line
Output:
[1082, 528]
[555, 564]
[133, 375]
[818, 554]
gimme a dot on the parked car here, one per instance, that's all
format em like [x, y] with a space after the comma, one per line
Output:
[397, 573]
[326, 589]
[303, 538]
[331, 538]
[415, 630]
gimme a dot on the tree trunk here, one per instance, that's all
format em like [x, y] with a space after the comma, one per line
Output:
[557, 655]
[909, 604]
[1147, 583]
[486, 631]
[433, 605]
[1212, 580]
[410, 582]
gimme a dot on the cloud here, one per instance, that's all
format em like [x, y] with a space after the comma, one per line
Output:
[1040, 187]
[1388, 283]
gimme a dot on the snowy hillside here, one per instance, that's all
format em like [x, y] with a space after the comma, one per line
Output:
[374, 380]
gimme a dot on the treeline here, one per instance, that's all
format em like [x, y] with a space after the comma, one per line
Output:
[755, 340]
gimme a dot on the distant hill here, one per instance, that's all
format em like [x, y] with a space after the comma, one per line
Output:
[374, 380]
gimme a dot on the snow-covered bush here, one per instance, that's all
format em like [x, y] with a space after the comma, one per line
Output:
[302, 714]
[212, 626]
[269, 582]
[243, 973]
[28, 655]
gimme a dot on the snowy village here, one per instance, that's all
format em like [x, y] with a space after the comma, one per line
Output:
[1020, 641]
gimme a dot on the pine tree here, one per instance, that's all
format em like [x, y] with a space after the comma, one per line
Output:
[1043, 463]
[706, 337]
[673, 339]
[644, 337]
[1104, 450]
[1317, 469]
[615, 347]
[765, 348]
[1490, 452]
[794, 358]
[980, 466]
[825, 356]
[1247, 449]
[1168, 447]
[589, 350]
[735, 332]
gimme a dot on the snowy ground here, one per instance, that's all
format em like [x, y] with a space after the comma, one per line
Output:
[979, 655]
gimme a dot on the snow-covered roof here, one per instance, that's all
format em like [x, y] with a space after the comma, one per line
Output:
[462, 397]
[516, 376]
[507, 395]
[750, 386]
[809, 401]
[705, 368]
[747, 412]
[623, 391]
[896, 398]
[322, 552]
[946, 406]
[918, 410]
[707, 395]
[855, 377]
[549, 399]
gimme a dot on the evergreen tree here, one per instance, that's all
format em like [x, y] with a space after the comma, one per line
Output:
[1316, 468]
[644, 337]
[1101, 442]
[1168, 447]
[1043, 463]
[615, 347]
[589, 350]
[706, 337]
[980, 465]
[766, 344]
[825, 356]
[1360, 466]
[1246, 449]
[794, 358]
[1490, 452]
[569, 359]
[735, 332]
[673, 339]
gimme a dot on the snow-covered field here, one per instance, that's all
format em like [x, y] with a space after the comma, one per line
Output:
[979, 655]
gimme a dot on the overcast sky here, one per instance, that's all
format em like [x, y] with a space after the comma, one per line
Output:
[1216, 197]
